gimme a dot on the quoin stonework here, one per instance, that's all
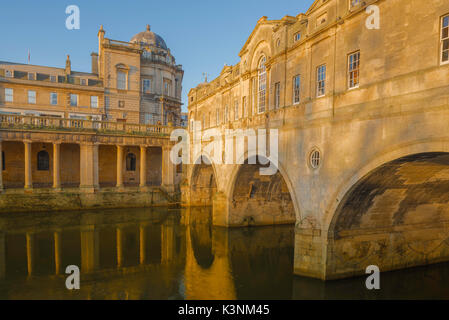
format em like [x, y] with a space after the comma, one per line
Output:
[362, 111]
[72, 140]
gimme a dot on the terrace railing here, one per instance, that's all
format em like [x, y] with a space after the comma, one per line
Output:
[31, 122]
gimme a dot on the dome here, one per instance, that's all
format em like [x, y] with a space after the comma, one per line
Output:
[150, 38]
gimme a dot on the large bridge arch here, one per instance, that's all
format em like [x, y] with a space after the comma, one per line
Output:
[393, 213]
[394, 153]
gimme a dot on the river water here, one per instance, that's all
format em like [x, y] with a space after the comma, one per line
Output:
[164, 253]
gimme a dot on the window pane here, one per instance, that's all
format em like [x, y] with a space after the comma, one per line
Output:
[121, 80]
[446, 21]
[94, 102]
[53, 98]
[32, 97]
[9, 94]
[73, 100]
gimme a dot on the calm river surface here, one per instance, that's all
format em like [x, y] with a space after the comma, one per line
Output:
[173, 254]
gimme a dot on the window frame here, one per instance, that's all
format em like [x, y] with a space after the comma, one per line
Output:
[11, 95]
[262, 86]
[443, 40]
[143, 85]
[350, 71]
[131, 162]
[96, 102]
[320, 80]
[43, 161]
[277, 95]
[297, 36]
[52, 94]
[122, 81]
[74, 95]
[296, 89]
[31, 98]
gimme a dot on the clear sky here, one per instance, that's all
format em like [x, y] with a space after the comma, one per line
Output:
[202, 35]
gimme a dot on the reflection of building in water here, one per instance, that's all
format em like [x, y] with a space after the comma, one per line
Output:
[148, 254]
[113, 250]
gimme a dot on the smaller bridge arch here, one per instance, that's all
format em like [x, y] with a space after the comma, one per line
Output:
[254, 199]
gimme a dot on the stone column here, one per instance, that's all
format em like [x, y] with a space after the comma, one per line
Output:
[168, 170]
[56, 165]
[57, 237]
[1, 169]
[119, 166]
[143, 247]
[89, 167]
[30, 253]
[143, 166]
[28, 170]
[119, 248]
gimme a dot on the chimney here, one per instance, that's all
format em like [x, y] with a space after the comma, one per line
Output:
[94, 56]
[100, 35]
[68, 66]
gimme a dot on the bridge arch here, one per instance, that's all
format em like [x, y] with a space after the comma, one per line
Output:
[392, 213]
[258, 200]
[203, 182]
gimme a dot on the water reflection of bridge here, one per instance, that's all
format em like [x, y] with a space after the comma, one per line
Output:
[148, 254]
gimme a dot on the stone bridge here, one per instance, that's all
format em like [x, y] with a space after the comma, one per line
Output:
[367, 183]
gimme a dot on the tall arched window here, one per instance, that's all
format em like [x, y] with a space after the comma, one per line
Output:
[43, 161]
[130, 162]
[262, 85]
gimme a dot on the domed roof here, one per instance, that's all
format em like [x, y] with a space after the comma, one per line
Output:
[150, 38]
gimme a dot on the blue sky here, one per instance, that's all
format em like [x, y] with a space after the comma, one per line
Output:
[202, 35]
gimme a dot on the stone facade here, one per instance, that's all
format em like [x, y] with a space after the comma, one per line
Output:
[132, 82]
[346, 100]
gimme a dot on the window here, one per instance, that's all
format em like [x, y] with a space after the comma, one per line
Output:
[43, 161]
[296, 89]
[146, 85]
[315, 159]
[52, 78]
[31, 76]
[236, 110]
[277, 95]
[94, 102]
[31, 96]
[354, 3]
[321, 81]
[53, 98]
[445, 39]
[262, 85]
[73, 100]
[218, 117]
[167, 87]
[9, 74]
[297, 36]
[321, 19]
[9, 95]
[244, 108]
[121, 80]
[130, 162]
[121, 104]
[353, 69]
